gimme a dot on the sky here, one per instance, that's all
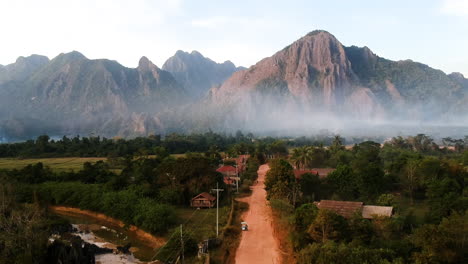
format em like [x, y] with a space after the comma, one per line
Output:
[433, 32]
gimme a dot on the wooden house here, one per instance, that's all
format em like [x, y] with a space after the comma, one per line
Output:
[203, 200]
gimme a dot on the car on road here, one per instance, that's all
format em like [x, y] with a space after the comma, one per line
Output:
[245, 226]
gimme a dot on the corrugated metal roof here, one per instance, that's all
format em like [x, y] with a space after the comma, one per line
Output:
[368, 211]
[343, 208]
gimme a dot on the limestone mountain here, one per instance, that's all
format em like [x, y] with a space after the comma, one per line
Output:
[318, 76]
[197, 73]
[74, 94]
[23, 67]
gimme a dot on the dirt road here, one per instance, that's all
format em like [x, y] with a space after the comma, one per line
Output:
[258, 245]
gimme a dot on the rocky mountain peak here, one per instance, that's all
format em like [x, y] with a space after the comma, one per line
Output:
[71, 56]
[197, 73]
[196, 53]
[144, 64]
[33, 59]
[313, 68]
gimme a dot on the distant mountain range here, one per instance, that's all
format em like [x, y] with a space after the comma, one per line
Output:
[314, 78]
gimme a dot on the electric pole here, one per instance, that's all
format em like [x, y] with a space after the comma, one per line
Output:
[217, 190]
[237, 179]
[182, 244]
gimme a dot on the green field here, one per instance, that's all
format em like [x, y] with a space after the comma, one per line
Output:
[56, 164]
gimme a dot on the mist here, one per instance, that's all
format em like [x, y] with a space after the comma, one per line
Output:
[285, 115]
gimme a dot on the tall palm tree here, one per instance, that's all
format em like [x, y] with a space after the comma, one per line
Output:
[301, 157]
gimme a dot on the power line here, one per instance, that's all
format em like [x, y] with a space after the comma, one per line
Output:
[159, 250]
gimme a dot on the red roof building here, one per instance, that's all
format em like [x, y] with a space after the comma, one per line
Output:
[227, 170]
[204, 199]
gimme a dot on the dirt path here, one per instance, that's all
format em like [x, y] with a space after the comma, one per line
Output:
[258, 245]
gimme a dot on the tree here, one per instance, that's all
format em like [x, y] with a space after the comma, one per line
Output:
[327, 225]
[444, 196]
[410, 178]
[343, 182]
[443, 243]
[277, 149]
[301, 157]
[367, 167]
[337, 145]
[279, 180]
[311, 186]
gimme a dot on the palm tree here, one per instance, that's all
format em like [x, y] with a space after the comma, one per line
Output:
[301, 157]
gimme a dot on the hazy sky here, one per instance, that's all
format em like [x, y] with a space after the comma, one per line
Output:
[434, 32]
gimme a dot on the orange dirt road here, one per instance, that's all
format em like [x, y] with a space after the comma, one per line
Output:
[258, 245]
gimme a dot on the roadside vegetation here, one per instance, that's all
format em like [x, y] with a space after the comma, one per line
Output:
[425, 184]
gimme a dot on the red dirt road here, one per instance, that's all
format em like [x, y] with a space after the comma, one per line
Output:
[258, 245]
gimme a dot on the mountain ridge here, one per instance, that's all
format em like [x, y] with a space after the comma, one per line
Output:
[318, 74]
[197, 73]
[311, 82]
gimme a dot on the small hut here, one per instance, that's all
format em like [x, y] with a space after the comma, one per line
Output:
[203, 200]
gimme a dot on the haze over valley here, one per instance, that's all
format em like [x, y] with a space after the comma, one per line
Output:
[312, 85]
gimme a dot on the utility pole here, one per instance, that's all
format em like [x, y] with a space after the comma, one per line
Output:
[217, 190]
[182, 244]
[237, 179]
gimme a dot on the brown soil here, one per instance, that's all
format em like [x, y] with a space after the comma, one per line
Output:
[258, 245]
[142, 235]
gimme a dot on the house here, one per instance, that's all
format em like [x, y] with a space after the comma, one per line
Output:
[203, 200]
[227, 171]
[321, 172]
[348, 209]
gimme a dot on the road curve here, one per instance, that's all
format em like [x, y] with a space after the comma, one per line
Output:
[258, 245]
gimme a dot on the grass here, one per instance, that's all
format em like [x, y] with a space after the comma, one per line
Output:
[202, 222]
[56, 164]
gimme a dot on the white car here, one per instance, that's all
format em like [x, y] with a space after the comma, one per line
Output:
[245, 226]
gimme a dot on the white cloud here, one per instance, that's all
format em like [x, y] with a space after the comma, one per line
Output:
[223, 21]
[455, 7]
[212, 22]
[122, 30]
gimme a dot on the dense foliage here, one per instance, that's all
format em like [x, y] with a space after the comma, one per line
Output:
[425, 184]
[173, 143]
